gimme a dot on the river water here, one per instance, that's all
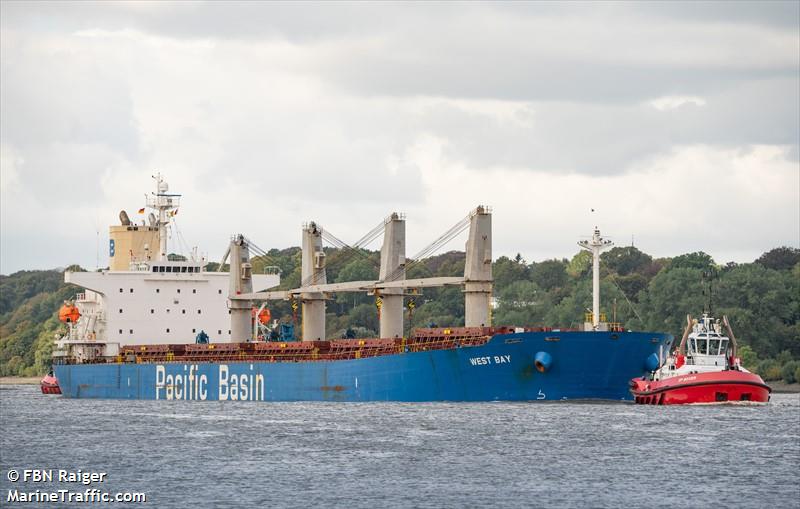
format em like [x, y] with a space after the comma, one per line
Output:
[211, 454]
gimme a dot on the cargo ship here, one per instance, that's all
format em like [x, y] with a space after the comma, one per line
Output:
[159, 329]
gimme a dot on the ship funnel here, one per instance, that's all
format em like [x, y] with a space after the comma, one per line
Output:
[124, 219]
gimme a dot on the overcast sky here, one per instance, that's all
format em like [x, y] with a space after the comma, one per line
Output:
[679, 123]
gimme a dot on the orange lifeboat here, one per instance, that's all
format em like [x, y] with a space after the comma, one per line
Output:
[264, 315]
[69, 313]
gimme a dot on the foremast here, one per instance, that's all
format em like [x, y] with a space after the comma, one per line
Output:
[595, 246]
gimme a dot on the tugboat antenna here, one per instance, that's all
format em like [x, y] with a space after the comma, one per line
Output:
[708, 290]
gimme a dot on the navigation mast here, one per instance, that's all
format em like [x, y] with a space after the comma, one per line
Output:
[163, 202]
[596, 245]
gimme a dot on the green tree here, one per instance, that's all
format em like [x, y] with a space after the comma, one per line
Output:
[669, 297]
[506, 271]
[625, 260]
[697, 260]
[748, 356]
[549, 274]
[580, 265]
[780, 258]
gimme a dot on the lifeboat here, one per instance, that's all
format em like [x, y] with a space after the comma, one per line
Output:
[703, 369]
[263, 315]
[49, 384]
[69, 313]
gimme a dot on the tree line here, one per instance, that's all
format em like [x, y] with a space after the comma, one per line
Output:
[761, 299]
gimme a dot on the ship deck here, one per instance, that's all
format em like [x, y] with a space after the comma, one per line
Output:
[310, 351]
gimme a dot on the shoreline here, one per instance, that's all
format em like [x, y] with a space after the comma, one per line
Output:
[780, 387]
[20, 380]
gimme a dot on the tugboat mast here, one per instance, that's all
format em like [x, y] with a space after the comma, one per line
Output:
[596, 245]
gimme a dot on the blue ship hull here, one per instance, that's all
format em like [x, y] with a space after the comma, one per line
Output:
[584, 365]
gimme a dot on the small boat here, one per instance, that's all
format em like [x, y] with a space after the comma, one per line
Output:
[49, 384]
[703, 369]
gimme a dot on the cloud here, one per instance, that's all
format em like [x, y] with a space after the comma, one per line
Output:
[671, 102]
[266, 115]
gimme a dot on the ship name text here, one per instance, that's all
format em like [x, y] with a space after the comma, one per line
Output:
[489, 359]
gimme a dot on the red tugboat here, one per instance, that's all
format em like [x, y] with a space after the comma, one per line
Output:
[704, 369]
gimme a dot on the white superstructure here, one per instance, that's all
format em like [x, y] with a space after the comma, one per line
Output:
[703, 349]
[144, 298]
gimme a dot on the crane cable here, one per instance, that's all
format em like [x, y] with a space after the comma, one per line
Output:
[431, 248]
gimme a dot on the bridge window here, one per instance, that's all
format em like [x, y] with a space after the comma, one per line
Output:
[131, 331]
[161, 269]
[183, 269]
[155, 269]
[713, 346]
[219, 332]
[194, 290]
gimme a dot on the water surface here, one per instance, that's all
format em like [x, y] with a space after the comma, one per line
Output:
[354, 455]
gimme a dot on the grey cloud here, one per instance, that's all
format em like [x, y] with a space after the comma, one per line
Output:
[607, 139]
